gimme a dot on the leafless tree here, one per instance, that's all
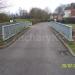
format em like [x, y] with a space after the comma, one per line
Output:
[23, 13]
[38, 13]
[60, 9]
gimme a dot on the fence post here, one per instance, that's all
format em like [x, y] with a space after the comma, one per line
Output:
[70, 36]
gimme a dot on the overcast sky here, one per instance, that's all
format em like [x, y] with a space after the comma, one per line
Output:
[28, 4]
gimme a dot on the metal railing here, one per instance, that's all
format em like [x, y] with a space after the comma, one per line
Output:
[63, 29]
[10, 30]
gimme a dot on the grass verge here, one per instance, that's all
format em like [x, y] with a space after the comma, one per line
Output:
[23, 20]
[71, 45]
[73, 25]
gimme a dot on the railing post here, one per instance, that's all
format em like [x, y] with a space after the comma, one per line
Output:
[70, 36]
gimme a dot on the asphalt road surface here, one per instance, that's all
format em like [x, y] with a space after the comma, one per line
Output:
[37, 52]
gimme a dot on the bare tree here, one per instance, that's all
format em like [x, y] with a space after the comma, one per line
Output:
[60, 9]
[23, 13]
[47, 10]
[39, 15]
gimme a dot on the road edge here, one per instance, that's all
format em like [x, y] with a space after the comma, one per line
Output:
[57, 34]
[14, 39]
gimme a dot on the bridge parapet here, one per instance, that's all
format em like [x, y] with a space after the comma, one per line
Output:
[10, 30]
[63, 29]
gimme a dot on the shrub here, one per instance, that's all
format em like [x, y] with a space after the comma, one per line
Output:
[4, 18]
[69, 20]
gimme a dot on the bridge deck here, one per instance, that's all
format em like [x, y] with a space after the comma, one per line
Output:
[37, 52]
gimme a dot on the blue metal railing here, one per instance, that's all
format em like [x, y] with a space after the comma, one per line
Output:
[63, 29]
[12, 29]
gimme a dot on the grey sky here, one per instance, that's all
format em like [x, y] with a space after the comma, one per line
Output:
[28, 4]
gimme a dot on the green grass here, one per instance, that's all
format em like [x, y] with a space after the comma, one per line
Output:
[73, 25]
[72, 46]
[70, 43]
[23, 20]
[1, 42]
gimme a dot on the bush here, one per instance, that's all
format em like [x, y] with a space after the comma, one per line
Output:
[34, 21]
[4, 18]
[69, 20]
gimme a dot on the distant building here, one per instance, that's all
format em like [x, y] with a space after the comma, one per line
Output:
[58, 17]
[70, 11]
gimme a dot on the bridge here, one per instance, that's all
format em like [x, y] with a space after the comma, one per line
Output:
[37, 52]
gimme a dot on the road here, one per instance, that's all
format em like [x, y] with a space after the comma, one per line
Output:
[37, 52]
